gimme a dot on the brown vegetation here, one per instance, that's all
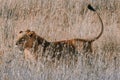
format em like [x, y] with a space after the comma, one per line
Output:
[67, 19]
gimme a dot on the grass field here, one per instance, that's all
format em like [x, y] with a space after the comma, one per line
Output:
[59, 20]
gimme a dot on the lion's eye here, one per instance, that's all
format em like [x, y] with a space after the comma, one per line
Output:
[23, 39]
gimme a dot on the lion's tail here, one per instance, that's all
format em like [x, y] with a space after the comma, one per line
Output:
[92, 9]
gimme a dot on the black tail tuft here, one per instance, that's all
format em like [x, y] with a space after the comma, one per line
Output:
[91, 8]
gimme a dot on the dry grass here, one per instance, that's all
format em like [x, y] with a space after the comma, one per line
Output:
[58, 20]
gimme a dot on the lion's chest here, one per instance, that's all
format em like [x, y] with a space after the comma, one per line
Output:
[29, 55]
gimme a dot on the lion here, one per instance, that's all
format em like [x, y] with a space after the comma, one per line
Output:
[25, 42]
[28, 41]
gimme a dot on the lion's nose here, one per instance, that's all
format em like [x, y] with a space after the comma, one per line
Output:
[16, 43]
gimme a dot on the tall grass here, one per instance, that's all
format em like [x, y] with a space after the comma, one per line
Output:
[59, 20]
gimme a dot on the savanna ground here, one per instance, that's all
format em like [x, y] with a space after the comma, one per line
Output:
[59, 20]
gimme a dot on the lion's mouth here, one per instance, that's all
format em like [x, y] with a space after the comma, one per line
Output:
[20, 47]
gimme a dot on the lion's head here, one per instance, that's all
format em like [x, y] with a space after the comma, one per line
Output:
[25, 39]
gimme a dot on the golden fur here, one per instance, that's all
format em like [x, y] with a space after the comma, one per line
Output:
[25, 42]
[28, 41]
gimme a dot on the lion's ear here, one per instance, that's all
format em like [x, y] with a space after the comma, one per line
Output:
[31, 34]
[27, 31]
[20, 31]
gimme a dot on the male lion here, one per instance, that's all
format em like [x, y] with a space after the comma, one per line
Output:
[29, 41]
